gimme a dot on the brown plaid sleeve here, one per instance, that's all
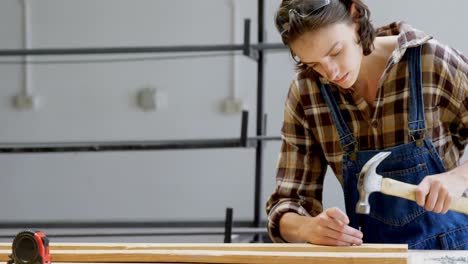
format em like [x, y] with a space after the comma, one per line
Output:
[300, 170]
[450, 96]
[463, 112]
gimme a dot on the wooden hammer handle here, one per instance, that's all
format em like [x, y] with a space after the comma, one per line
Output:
[408, 191]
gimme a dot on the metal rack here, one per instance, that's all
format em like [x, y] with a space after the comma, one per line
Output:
[253, 51]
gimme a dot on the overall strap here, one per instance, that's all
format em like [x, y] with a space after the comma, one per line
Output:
[416, 122]
[347, 141]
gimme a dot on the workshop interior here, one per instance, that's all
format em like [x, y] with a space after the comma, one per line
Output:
[153, 121]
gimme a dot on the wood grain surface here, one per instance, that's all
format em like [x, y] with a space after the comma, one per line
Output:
[221, 257]
[290, 247]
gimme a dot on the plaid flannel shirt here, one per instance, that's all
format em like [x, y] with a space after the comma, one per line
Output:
[311, 141]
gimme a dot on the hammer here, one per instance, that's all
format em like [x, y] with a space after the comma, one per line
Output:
[369, 181]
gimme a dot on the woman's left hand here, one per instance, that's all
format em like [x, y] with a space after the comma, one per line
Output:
[438, 192]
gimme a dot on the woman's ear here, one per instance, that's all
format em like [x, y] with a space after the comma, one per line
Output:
[355, 16]
[354, 12]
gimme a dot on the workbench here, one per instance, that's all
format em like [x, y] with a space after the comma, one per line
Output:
[246, 253]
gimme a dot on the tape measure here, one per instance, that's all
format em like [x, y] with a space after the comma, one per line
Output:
[30, 247]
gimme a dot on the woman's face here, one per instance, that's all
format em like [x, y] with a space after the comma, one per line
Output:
[331, 51]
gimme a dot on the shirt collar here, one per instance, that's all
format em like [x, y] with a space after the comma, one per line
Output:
[408, 37]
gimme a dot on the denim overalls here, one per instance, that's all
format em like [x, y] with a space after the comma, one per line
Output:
[392, 219]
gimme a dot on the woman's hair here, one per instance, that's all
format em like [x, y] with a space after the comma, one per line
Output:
[297, 17]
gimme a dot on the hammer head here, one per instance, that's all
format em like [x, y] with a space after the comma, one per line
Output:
[369, 181]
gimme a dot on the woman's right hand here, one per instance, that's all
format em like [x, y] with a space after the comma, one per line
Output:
[329, 228]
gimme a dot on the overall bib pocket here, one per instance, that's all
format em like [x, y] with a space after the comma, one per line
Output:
[397, 211]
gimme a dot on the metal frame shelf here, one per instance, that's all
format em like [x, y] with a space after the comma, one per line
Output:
[253, 51]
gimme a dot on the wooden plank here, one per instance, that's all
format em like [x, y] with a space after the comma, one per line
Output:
[225, 257]
[414, 257]
[290, 247]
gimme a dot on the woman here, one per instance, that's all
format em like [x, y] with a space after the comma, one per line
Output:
[360, 91]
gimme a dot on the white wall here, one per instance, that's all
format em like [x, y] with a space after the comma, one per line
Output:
[97, 102]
